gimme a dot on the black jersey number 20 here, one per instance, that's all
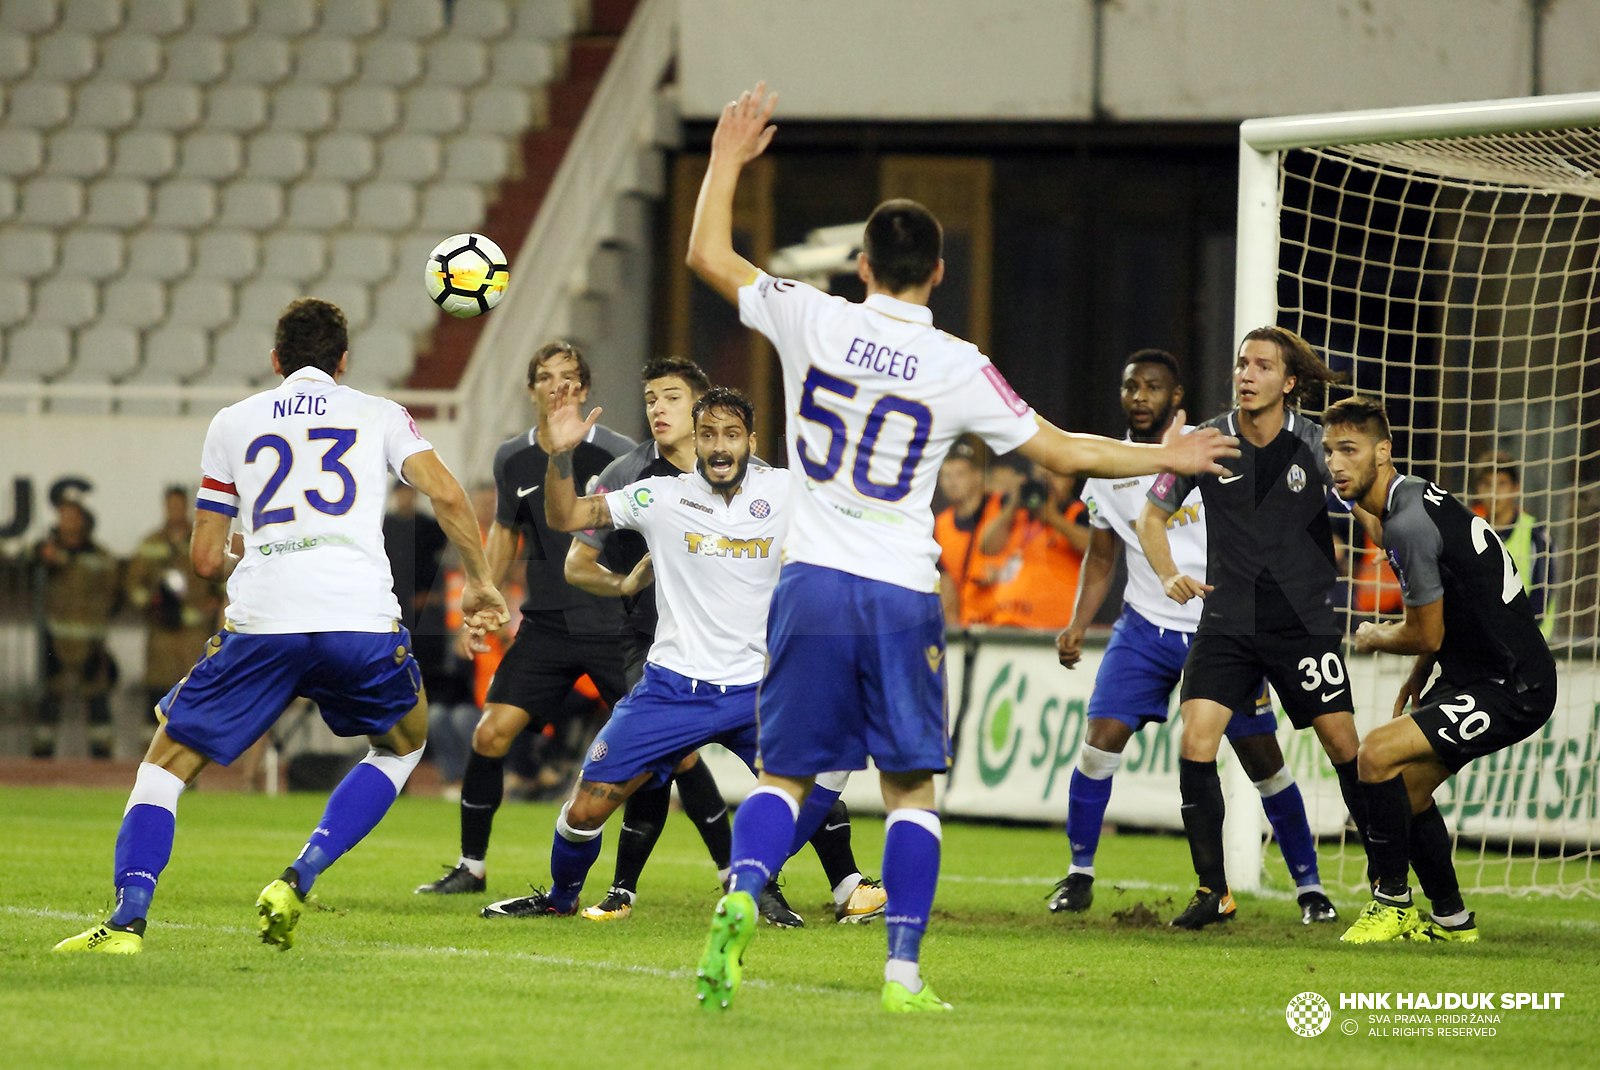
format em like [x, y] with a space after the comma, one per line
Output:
[1482, 536]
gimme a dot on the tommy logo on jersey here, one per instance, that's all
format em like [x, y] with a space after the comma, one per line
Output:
[722, 546]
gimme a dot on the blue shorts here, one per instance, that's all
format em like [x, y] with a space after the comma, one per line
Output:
[854, 667]
[665, 717]
[1143, 663]
[363, 682]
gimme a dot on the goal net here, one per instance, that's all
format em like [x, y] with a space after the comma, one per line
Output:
[1448, 261]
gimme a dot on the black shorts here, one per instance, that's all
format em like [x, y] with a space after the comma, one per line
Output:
[545, 660]
[1467, 721]
[1307, 671]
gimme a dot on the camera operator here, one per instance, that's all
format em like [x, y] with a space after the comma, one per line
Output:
[1033, 548]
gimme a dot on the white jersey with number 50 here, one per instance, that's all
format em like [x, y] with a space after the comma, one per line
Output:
[305, 468]
[875, 397]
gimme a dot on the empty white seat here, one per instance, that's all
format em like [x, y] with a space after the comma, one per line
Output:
[21, 151]
[547, 19]
[122, 203]
[51, 201]
[106, 351]
[479, 158]
[28, 16]
[15, 302]
[319, 205]
[159, 254]
[351, 18]
[454, 207]
[386, 206]
[130, 57]
[105, 105]
[409, 158]
[402, 303]
[200, 302]
[289, 18]
[502, 110]
[66, 301]
[37, 351]
[293, 255]
[38, 104]
[145, 154]
[210, 154]
[258, 59]
[27, 252]
[132, 301]
[185, 203]
[195, 58]
[262, 301]
[16, 56]
[344, 156]
[391, 61]
[368, 109]
[91, 16]
[277, 155]
[353, 299]
[8, 199]
[522, 61]
[92, 254]
[78, 152]
[169, 106]
[64, 57]
[236, 108]
[413, 249]
[483, 20]
[304, 109]
[222, 17]
[240, 353]
[457, 61]
[173, 353]
[323, 60]
[226, 254]
[252, 204]
[159, 17]
[435, 109]
[415, 18]
[381, 356]
[362, 257]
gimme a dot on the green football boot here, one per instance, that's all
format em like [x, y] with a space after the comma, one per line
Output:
[107, 939]
[1380, 922]
[722, 966]
[898, 999]
[279, 905]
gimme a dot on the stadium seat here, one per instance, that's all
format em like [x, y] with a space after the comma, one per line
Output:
[380, 357]
[457, 61]
[38, 104]
[418, 19]
[64, 57]
[276, 155]
[173, 354]
[130, 57]
[409, 158]
[195, 58]
[223, 18]
[368, 109]
[132, 301]
[8, 199]
[346, 157]
[522, 62]
[28, 16]
[118, 202]
[51, 201]
[145, 154]
[353, 299]
[500, 110]
[185, 203]
[77, 152]
[390, 61]
[453, 207]
[326, 61]
[27, 252]
[210, 154]
[402, 303]
[36, 352]
[198, 302]
[303, 109]
[159, 254]
[158, 17]
[478, 158]
[362, 257]
[293, 255]
[105, 105]
[434, 109]
[172, 106]
[106, 351]
[351, 18]
[226, 254]
[91, 16]
[288, 18]
[319, 205]
[92, 253]
[484, 20]
[546, 19]
[240, 354]
[263, 300]
[258, 59]
[15, 302]
[236, 108]
[386, 206]
[252, 204]
[65, 301]
[414, 247]
[16, 56]
[21, 151]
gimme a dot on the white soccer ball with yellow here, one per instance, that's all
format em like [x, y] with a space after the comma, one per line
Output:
[466, 275]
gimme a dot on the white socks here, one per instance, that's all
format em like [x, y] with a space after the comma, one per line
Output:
[842, 890]
[1276, 782]
[907, 973]
[154, 786]
[1097, 764]
[475, 866]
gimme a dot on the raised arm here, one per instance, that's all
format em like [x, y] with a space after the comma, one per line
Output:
[563, 509]
[742, 134]
[1152, 529]
[481, 603]
[1071, 454]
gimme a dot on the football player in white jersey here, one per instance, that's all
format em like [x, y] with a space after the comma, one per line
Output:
[875, 397]
[1144, 658]
[304, 467]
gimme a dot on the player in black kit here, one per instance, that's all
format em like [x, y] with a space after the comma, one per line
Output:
[1465, 612]
[1270, 564]
[565, 633]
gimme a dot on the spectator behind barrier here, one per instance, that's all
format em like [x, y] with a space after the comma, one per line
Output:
[1497, 497]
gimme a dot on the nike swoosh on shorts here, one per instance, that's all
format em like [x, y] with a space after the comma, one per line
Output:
[1230, 479]
[1332, 694]
[523, 492]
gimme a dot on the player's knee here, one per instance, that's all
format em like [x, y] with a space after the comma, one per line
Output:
[397, 767]
[1375, 758]
[582, 816]
[492, 738]
[1260, 756]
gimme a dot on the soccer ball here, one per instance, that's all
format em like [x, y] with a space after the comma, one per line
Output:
[466, 275]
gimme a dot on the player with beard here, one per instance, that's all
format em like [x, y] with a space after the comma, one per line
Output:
[1144, 659]
[1467, 614]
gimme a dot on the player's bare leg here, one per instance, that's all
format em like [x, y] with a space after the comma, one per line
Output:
[1087, 797]
[482, 791]
[1262, 760]
[1204, 723]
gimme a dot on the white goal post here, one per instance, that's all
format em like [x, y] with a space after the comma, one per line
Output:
[1447, 257]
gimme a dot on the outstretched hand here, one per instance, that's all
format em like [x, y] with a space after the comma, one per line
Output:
[742, 132]
[563, 425]
[1197, 452]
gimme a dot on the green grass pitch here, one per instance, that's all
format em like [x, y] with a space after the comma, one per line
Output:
[386, 979]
